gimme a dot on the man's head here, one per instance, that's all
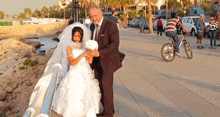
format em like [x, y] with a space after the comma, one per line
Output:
[173, 15]
[114, 13]
[202, 17]
[95, 14]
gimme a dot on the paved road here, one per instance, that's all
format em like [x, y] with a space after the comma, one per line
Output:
[147, 86]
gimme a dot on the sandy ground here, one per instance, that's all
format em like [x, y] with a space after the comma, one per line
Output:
[20, 70]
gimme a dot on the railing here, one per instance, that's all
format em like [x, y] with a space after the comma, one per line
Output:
[46, 107]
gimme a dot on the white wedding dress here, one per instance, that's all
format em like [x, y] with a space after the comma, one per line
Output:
[78, 94]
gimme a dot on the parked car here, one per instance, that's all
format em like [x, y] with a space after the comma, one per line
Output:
[132, 22]
[164, 24]
[189, 22]
[144, 23]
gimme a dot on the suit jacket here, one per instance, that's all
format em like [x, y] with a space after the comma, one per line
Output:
[108, 43]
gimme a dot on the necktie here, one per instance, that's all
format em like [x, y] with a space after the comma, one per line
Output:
[97, 32]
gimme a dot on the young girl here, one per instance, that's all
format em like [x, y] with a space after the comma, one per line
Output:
[78, 94]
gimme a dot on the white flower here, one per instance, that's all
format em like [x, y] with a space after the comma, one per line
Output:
[91, 44]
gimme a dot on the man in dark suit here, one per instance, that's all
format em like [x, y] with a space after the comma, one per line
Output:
[106, 59]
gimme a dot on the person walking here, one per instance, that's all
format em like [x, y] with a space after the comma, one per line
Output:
[200, 25]
[107, 58]
[159, 26]
[213, 25]
[114, 18]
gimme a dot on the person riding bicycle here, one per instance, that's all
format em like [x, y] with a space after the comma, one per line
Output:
[170, 31]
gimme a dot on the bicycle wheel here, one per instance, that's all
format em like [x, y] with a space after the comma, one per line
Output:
[188, 50]
[167, 52]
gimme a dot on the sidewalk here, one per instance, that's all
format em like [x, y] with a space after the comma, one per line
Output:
[146, 86]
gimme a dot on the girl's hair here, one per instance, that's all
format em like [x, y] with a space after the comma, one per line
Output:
[77, 29]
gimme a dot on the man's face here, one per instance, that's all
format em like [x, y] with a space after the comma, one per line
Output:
[95, 16]
[202, 17]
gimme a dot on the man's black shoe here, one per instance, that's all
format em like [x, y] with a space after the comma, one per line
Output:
[100, 114]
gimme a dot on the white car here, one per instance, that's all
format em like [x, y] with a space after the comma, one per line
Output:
[164, 24]
[189, 22]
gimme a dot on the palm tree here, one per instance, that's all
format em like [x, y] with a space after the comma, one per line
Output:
[28, 12]
[45, 11]
[85, 4]
[150, 17]
[37, 13]
[206, 5]
[2, 15]
[121, 3]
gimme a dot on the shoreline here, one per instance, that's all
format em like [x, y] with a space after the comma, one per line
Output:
[20, 75]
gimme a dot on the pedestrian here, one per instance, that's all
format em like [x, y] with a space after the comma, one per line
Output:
[178, 27]
[200, 25]
[87, 22]
[107, 58]
[159, 26]
[213, 25]
[114, 18]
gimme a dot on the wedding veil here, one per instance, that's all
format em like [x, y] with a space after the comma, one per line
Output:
[60, 54]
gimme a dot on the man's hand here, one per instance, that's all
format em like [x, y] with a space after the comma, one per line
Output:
[187, 32]
[94, 53]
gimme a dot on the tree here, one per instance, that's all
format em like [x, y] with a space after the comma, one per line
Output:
[124, 4]
[22, 16]
[150, 17]
[45, 11]
[2, 15]
[206, 5]
[187, 3]
[173, 4]
[37, 13]
[28, 12]
[132, 13]
[85, 4]
[7, 16]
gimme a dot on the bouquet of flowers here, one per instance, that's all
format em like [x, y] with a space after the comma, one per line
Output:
[91, 45]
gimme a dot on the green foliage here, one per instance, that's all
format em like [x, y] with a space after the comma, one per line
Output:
[29, 62]
[22, 67]
[2, 15]
[187, 3]
[132, 13]
[28, 12]
[141, 13]
[206, 5]
[22, 16]
[5, 23]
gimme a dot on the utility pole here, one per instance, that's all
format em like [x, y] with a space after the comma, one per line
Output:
[75, 10]
[166, 9]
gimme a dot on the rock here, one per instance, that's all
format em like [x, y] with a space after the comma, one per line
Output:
[41, 44]
[56, 39]
[29, 83]
[9, 89]
[15, 110]
[12, 105]
[2, 104]
[2, 94]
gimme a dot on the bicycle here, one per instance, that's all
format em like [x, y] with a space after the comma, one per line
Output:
[168, 49]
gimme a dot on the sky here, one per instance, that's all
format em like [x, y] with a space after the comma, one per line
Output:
[15, 7]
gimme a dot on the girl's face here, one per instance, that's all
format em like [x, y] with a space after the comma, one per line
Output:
[77, 37]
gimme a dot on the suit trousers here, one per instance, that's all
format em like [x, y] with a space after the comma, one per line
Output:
[106, 87]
